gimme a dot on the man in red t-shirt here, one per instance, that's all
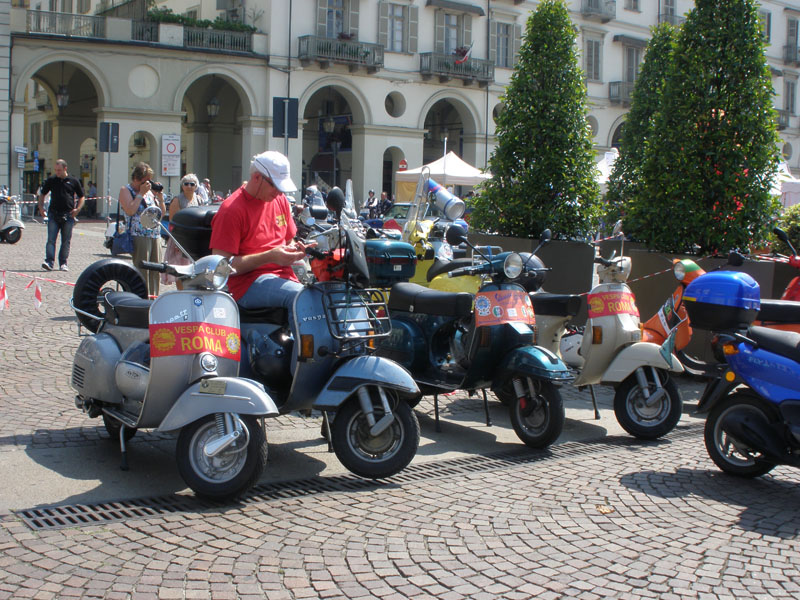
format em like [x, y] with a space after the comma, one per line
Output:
[254, 228]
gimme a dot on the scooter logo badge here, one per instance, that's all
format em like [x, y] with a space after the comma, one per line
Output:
[175, 339]
[611, 303]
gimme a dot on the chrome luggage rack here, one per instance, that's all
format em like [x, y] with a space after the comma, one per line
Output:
[355, 315]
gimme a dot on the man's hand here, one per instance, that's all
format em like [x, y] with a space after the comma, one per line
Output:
[286, 255]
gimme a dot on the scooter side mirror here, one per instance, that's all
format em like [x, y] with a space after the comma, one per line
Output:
[735, 259]
[617, 228]
[784, 237]
[455, 235]
[335, 201]
[151, 217]
[545, 238]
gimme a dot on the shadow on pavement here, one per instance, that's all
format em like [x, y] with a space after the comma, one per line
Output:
[769, 505]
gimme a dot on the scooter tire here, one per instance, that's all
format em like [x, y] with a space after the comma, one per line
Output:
[730, 455]
[374, 457]
[109, 274]
[12, 235]
[197, 470]
[641, 421]
[539, 422]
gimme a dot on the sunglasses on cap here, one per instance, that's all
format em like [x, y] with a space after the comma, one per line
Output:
[191, 183]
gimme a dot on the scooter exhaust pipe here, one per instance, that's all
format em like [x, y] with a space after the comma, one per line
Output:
[754, 431]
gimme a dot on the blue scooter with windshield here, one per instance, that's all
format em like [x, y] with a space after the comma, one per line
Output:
[753, 404]
[448, 346]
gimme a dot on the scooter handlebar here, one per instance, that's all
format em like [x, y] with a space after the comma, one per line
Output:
[151, 266]
[599, 260]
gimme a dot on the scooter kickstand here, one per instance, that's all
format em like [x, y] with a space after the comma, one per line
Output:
[326, 425]
[486, 409]
[438, 427]
[594, 403]
[123, 449]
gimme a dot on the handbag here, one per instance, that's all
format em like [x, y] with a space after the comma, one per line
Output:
[122, 243]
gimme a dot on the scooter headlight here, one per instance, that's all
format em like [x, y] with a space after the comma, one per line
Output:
[512, 267]
[444, 252]
[213, 270]
[679, 270]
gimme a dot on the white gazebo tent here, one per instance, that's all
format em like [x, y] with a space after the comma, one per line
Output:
[446, 171]
[787, 186]
[605, 167]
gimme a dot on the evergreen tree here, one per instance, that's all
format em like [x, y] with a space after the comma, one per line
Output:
[624, 185]
[713, 151]
[543, 169]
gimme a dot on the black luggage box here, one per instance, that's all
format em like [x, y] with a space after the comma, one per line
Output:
[192, 228]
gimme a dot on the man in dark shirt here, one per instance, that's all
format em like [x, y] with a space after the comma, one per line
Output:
[66, 201]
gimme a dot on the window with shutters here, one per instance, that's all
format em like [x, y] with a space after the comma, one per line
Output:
[633, 58]
[36, 136]
[593, 59]
[335, 18]
[451, 33]
[505, 45]
[766, 24]
[66, 6]
[84, 6]
[669, 7]
[789, 95]
[397, 28]
[47, 132]
[632, 5]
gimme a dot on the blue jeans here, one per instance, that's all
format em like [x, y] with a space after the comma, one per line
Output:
[271, 290]
[56, 225]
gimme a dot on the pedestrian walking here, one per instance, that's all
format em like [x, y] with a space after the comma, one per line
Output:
[66, 200]
[134, 198]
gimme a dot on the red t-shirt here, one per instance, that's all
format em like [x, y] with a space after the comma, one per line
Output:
[246, 225]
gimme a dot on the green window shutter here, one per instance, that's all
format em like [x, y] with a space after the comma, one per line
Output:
[493, 42]
[383, 24]
[353, 18]
[517, 43]
[466, 21]
[439, 32]
[322, 18]
[413, 28]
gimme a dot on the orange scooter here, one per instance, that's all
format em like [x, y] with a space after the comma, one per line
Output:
[783, 314]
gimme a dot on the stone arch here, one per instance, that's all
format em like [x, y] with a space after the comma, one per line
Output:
[358, 103]
[467, 111]
[244, 90]
[618, 122]
[80, 61]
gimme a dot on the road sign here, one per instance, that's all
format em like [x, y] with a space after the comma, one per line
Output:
[171, 155]
[20, 161]
[20, 149]
[278, 108]
[108, 140]
[402, 165]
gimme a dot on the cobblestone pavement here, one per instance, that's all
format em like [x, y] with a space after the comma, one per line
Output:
[598, 518]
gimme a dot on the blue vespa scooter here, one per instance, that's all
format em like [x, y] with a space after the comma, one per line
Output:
[448, 345]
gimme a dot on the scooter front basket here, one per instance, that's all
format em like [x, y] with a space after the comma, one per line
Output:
[355, 315]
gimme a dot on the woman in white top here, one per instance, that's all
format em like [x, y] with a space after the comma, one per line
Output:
[187, 197]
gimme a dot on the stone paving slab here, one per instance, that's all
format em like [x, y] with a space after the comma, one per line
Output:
[605, 520]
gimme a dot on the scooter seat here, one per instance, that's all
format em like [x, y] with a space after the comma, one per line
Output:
[556, 305]
[785, 343]
[274, 315]
[779, 311]
[127, 309]
[414, 298]
[439, 267]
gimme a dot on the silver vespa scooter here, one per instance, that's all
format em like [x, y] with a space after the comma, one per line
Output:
[11, 225]
[172, 364]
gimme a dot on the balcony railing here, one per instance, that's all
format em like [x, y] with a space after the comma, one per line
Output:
[445, 67]
[620, 91]
[791, 54]
[782, 120]
[215, 39]
[144, 31]
[672, 19]
[353, 53]
[67, 24]
[599, 10]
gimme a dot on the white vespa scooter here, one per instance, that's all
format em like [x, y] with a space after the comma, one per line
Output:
[172, 364]
[647, 403]
[11, 225]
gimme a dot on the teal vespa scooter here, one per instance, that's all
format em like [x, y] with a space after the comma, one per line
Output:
[460, 341]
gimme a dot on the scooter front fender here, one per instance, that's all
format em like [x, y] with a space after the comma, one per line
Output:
[13, 223]
[219, 395]
[361, 371]
[533, 361]
[640, 354]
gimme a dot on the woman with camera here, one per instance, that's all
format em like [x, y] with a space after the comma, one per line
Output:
[134, 198]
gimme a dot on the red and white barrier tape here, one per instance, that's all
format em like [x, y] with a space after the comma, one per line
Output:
[37, 290]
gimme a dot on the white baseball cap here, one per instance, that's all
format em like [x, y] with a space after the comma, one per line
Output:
[275, 166]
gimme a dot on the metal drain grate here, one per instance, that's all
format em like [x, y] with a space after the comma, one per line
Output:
[81, 515]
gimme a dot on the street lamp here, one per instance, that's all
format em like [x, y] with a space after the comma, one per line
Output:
[212, 108]
[329, 126]
[62, 95]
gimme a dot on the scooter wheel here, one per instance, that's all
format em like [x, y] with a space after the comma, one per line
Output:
[643, 421]
[374, 457]
[539, 420]
[729, 454]
[109, 274]
[12, 235]
[231, 472]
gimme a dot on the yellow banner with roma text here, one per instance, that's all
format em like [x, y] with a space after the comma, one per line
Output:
[175, 339]
[605, 304]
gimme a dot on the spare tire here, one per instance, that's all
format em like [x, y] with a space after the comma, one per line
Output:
[107, 275]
